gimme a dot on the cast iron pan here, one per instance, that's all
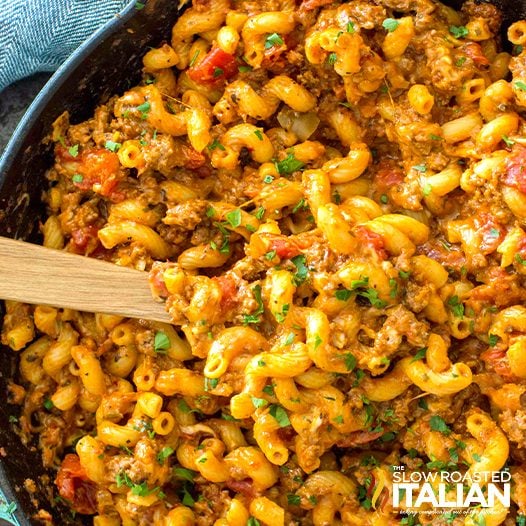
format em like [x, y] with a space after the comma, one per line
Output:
[108, 63]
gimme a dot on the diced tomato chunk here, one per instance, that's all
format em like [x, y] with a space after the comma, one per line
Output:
[372, 240]
[228, 290]
[85, 239]
[94, 169]
[516, 169]
[387, 176]
[497, 360]
[74, 486]
[491, 233]
[284, 248]
[475, 53]
[216, 65]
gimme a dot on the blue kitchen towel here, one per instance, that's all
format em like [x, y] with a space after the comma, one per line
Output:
[38, 35]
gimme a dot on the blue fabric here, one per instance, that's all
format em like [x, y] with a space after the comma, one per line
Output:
[38, 35]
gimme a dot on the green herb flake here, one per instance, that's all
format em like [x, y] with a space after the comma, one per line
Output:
[384, 199]
[434, 137]
[194, 58]
[350, 361]
[422, 168]
[139, 5]
[268, 179]
[437, 423]
[520, 85]
[302, 271]
[289, 165]
[244, 69]
[161, 342]
[269, 256]
[259, 213]
[460, 62]
[217, 72]
[258, 403]
[164, 454]
[144, 108]
[350, 28]
[273, 40]
[459, 31]
[255, 316]
[332, 58]
[216, 144]
[493, 339]
[77, 178]
[211, 383]
[509, 142]
[343, 294]
[112, 146]
[390, 24]
[293, 500]
[185, 474]
[456, 306]
[420, 355]
[48, 404]
[259, 134]
[403, 274]
[234, 218]
[269, 389]
[74, 150]
[279, 413]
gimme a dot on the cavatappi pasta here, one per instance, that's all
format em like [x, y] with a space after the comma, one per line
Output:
[330, 198]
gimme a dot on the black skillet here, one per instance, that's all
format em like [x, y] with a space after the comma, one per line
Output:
[108, 63]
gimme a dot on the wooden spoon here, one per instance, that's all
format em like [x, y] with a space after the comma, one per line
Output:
[43, 276]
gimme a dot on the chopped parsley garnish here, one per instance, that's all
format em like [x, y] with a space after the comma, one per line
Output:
[434, 137]
[268, 179]
[427, 189]
[74, 150]
[420, 168]
[508, 141]
[77, 178]
[456, 306]
[332, 58]
[289, 165]
[350, 361]
[216, 144]
[161, 342]
[279, 413]
[244, 69]
[48, 404]
[384, 199]
[144, 108]
[350, 27]
[273, 40]
[252, 521]
[269, 389]
[164, 454]
[218, 72]
[302, 272]
[234, 218]
[259, 213]
[420, 355]
[460, 62]
[258, 134]
[270, 255]
[294, 500]
[112, 146]
[390, 24]
[403, 274]
[520, 85]
[139, 5]
[343, 294]
[280, 316]
[194, 58]
[255, 316]
[459, 31]
[437, 424]
[520, 259]
[258, 402]
[185, 474]
[211, 383]
[493, 339]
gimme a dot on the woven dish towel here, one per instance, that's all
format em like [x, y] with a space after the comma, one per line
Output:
[38, 35]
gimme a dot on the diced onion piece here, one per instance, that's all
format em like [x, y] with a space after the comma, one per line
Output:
[303, 125]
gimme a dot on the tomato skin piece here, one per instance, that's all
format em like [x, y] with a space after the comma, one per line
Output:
[228, 292]
[387, 176]
[372, 240]
[74, 486]
[516, 170]
[475, 53]
[216, 66]
[497, 360]
[284, 248]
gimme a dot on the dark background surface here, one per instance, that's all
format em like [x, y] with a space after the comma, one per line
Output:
[14, 101]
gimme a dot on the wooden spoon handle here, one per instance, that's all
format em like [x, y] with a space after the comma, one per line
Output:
[34, 274]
